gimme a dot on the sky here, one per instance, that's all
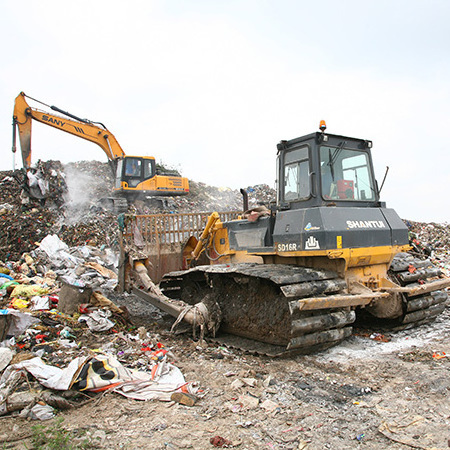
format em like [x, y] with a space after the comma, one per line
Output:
[210, 87]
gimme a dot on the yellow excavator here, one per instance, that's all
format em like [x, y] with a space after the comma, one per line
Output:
[295, 277]
[136, 177]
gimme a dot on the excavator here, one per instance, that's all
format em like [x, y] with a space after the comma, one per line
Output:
[136, 177]
[295, 277]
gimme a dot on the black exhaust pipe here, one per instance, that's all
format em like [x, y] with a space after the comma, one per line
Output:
[245, 199]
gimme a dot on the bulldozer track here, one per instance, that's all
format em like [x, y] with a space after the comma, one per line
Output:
[258, 305]
[410, 271]
[283, 310]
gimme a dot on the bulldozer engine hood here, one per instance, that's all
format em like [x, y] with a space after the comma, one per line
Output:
[320, 228]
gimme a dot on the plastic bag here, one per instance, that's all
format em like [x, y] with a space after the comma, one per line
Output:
[28, 291]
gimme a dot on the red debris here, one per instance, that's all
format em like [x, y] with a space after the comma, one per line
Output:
[219, 441]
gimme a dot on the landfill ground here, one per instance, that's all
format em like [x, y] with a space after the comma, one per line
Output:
[365, 393]
[376, 390]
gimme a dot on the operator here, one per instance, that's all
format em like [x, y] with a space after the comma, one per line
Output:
[328, 187]
[132, 169]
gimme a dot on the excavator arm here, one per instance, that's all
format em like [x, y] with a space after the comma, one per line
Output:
[136, 177]
[83, 128]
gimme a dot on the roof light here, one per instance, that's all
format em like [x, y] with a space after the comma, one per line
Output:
[322, 126]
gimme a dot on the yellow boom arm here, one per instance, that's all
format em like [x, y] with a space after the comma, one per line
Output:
[85, 129]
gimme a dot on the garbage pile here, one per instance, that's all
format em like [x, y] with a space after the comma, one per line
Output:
[96, 178]
[62, 341]
[204, 198]
[73, 213]
[431, 240]
[23, 221]
[45, 181]
[21, 230]
[23, 224]
[51, 180]
[10, 186]
[208, 198]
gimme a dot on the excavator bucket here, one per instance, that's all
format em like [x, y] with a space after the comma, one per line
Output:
[21, 117]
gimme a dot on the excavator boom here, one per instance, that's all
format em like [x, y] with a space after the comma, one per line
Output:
[136, 177]
[85, 129]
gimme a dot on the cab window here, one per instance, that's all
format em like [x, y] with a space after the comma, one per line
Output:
[118, 183]
[133, 167]
[296, 175]
[149, 170]
[345, 174]
[133, 171]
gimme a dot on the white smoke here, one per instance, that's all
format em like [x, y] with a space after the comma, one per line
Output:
[82, 193]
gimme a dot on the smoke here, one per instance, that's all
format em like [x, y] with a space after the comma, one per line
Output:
[84, 189]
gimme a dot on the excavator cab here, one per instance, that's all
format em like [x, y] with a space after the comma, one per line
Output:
[133, 170]
[137, 178]
[326, 170]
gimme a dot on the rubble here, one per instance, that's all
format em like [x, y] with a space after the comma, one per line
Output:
[58, 349]
[74, 214]
[432, 239]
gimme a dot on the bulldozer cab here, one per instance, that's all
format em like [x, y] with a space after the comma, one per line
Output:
[326, 170]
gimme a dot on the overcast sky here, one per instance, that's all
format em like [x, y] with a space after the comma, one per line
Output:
[210, 87]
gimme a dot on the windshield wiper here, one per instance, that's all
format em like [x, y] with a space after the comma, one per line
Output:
[330, 163]
[332, 158]
[337, 152]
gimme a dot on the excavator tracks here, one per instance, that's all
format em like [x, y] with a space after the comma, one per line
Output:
[257, 305]
[421, 308]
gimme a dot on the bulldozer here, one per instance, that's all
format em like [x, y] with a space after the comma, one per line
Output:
[291, 278]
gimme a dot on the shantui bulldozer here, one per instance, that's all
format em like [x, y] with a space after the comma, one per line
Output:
[292, 278]
[136, 177]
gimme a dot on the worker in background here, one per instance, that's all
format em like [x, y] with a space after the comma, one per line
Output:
[132, 168]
